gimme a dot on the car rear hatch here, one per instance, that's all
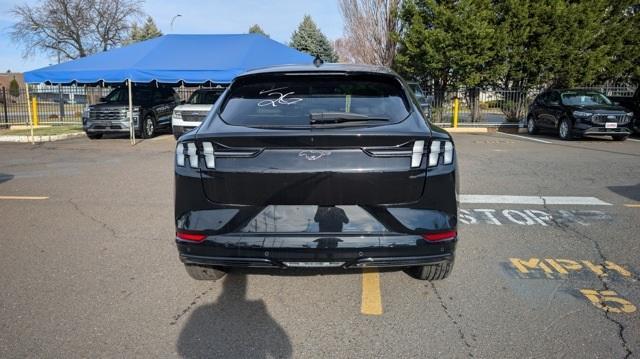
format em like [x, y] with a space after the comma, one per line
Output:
[323, 140]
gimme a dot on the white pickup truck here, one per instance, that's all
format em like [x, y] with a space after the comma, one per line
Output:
[189, 116]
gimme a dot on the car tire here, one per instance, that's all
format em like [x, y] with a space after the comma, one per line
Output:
[431, 272]
[532, 129]
[148, 128]
[204, 273]
[564, 129]
[94, 136]
[620, 137]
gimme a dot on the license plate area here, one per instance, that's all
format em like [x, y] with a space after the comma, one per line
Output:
[611, 125]
[314, 264]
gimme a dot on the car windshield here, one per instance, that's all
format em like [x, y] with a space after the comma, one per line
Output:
[584, 99]
[282, 101]
[117, 95]
[204, 97]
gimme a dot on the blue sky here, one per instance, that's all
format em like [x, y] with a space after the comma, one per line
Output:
[278, 18]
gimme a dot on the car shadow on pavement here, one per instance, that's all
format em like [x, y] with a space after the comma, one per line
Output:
[4, 177]
[233, 327]
[631, 192]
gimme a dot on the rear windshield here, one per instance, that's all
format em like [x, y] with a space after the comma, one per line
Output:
[204, 97]
[289, 100]
[584, 99]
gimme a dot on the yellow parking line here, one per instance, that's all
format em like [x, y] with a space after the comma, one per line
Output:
[24, 197]
[632, 205]
[371, 299]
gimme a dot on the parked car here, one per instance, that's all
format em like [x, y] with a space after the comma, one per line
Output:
[426, 102]
[152, 107]
[189, 116]
[575, 113]
[632, 104]
[305, 166]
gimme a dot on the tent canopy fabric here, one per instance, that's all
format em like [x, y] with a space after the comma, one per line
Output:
[190, 59]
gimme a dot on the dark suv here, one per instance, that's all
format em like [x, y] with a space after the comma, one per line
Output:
[304, 166]
[575, 113]
[152, 108]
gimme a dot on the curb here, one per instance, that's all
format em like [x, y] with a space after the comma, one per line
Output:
[467, 129]
[484, 129]
[49, 138]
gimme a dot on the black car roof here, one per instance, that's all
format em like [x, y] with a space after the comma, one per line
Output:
[324, 68]
[573, 90]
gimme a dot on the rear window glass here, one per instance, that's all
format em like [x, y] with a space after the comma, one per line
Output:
[289, 100]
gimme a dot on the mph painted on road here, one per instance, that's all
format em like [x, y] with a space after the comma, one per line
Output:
[531, 217]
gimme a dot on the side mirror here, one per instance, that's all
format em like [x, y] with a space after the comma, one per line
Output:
[182, 102]
[103, 99]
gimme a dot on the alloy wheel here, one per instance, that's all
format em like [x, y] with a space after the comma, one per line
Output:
[148, 127]
[564, 129]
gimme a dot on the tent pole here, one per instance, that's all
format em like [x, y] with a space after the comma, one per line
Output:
[29, 112]
[132, 131]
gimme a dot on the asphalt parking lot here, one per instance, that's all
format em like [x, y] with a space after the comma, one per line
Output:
[547, 264]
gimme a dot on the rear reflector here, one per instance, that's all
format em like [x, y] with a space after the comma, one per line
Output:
[440, 236]
[191, 237]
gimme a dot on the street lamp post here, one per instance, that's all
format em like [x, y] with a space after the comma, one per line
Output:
[174, 19]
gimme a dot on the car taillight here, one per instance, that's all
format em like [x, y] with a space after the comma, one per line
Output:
[189, 150]
[439, 236]
[209, 159]
[439, 149]
[190, 237]
[416, 154]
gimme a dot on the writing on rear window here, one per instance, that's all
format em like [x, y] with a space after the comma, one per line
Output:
[280, 97]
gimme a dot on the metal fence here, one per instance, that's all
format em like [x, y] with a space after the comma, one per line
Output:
[498, 106]
[56, 105]
[63, 105]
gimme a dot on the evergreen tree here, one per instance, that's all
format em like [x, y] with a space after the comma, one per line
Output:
[147, 31]
[451, 43]
[256, 29]
[14, 89]
[308, 38]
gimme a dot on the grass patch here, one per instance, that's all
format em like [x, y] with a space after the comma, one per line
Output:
[43, 131]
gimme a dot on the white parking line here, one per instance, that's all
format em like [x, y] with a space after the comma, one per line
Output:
[554, 200]
[524, 137]
[633, 139]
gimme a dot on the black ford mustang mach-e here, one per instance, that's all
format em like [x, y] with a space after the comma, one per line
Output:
[316, 166]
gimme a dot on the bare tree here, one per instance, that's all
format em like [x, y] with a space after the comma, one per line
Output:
[369, 30]
[74, 28]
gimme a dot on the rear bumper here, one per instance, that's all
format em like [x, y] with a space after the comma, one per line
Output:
[363, 262]
[346, 251]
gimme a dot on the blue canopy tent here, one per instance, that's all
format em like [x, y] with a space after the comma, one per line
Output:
[173, 59]
[191, 59]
